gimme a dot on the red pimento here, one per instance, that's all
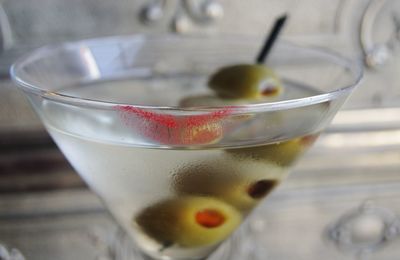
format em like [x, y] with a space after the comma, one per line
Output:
[308, 140]
[270, 91]
[175, 130]
[210, 218]
[261, 188]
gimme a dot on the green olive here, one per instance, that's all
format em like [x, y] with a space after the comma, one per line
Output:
[247, 81]
[189, 221]
[283, 153]
[242, 184]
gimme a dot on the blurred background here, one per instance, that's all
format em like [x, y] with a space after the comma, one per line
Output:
[341, 202]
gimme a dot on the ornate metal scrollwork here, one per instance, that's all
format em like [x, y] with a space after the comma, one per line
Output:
[365, 229]
[181, 14]
[6, 39]
[383, 16]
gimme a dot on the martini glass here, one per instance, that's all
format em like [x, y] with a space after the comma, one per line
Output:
[179, 168]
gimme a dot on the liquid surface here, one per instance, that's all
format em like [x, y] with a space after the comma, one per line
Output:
[178, 203]
[172, 89]
[128, 125]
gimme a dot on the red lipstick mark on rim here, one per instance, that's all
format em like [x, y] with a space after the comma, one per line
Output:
[175, 130]
[166, 120]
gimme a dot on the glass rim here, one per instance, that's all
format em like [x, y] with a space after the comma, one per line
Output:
[26, 85]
